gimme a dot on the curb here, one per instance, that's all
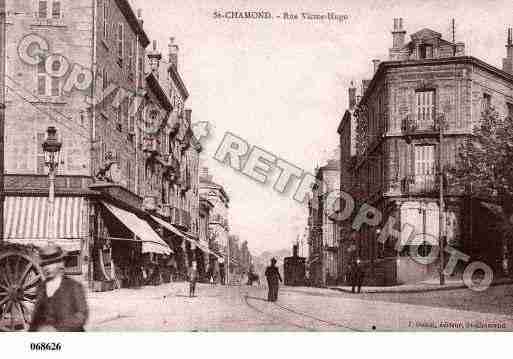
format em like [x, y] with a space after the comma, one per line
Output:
[415, 290]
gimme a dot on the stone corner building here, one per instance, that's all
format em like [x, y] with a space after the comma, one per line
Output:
[390, 148]
[127, 188]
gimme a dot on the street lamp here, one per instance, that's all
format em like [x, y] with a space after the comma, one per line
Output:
[52, 150]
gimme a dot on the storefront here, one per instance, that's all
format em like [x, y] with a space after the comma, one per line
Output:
[126, 250]
[27, 221]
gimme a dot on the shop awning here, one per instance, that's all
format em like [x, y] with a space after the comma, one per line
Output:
[151, 241]
[168, 226]
[205, 249]
[26, 221]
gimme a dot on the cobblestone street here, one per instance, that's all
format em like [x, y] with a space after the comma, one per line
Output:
[168, 308]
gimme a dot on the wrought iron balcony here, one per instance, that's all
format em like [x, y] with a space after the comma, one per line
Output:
[419, 184]
[411, 125]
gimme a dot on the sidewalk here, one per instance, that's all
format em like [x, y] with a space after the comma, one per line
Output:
[430, 285]
[118, 303]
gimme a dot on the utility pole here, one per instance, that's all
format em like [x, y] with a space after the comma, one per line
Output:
[227, 275]
[453, 30]
[3, 51]
[441, 224]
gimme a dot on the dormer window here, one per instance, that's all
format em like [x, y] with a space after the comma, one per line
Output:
[426, 51]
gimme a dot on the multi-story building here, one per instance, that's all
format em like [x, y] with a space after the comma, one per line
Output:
[175, 184]
[323, 233]
[425, 82]
[80, 62]
[129, 159]
[218, 226]
[347, 237]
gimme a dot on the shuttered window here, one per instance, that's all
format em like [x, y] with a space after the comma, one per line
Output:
[105, 18]
[105, 79]
[41, 78]
[55, 86]
[40, 156]
[47, 9]
[425, 108]
[424, 160]
[120, 41]
[131, 57]
[43, 9]
[56, 10]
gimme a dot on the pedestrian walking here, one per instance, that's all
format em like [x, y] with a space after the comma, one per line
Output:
[60, 303]
[273, 279]
[357, 275]
[193, 278]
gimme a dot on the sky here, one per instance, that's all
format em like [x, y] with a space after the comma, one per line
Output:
[282, 84]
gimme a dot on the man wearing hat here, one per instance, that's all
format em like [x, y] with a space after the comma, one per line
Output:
[61, 303]
[273, 278]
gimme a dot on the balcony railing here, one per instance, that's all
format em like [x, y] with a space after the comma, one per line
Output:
[412, 125]
[419, 184]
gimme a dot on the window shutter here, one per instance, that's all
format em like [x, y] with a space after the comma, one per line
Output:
[40, 156]
[55, 89]
[56, 10]
[105, 18]
[43, 9]
[105, 79]
[120, 41]
[41, 85]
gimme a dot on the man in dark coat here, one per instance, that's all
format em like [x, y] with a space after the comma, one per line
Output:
[273, 278]
[61, 303]
[357, 275]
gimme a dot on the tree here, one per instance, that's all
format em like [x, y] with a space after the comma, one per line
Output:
[485, 162]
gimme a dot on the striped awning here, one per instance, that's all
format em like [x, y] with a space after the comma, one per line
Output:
[168, 226]
[151, 241]
[204, 247]
[26, 220]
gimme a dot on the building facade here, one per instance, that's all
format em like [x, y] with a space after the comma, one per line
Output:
[129, 159]
[425, 82]
[218, 225]
[347, 136]
[323, 231]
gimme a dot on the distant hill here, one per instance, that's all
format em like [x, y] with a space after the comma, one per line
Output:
[264, 259]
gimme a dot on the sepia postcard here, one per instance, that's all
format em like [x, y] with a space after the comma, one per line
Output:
[255, 166]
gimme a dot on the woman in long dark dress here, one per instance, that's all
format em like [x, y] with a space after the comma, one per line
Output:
[273, 278]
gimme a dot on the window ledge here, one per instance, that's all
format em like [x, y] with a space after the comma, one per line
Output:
[51, 99]
[48, 23]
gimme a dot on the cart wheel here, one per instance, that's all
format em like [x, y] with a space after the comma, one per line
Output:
[20, 276]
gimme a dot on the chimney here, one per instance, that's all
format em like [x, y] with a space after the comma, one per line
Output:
[507, 63]
[173, 52]
[139, 17]
[460, 49]
[375, 64]
[295, 251]
[398, 34]
[154, 57]
[352, 95]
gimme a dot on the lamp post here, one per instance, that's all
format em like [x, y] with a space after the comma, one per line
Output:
[51, 149]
